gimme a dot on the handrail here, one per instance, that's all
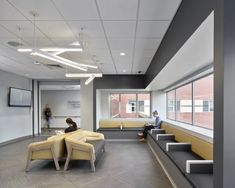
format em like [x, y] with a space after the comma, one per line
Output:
[63, 116]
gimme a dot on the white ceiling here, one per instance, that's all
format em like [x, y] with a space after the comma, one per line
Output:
[135, 27]
[196, 53]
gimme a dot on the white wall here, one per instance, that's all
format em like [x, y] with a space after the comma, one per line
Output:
[102, 106]
[159, 103]
[35, 111]
[61, 104]
[15, 122]
[86, 105]
[105, 104]
[98, 107]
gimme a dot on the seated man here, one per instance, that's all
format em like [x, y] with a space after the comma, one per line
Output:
[147, 127]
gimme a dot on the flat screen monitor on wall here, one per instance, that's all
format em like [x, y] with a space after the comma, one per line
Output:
[19, 97]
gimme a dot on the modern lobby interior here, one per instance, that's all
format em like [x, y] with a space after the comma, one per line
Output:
[108, 71]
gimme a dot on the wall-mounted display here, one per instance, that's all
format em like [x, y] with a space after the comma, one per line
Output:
[19, 97]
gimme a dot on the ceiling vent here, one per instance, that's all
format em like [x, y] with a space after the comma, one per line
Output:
[54, 66]
[14, 43]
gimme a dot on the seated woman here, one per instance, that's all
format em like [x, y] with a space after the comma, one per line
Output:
[72, 125]
[147, 127]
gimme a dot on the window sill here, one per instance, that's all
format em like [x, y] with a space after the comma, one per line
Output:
[205, 134]
[128, 119]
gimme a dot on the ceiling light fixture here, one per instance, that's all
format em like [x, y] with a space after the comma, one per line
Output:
[52, 53]
[122, 54]
[76, 75]
[124, 70]
[51, 49]
[58, 53]
[90, 79]
[61, 49]
[44, 53]
[55, 58]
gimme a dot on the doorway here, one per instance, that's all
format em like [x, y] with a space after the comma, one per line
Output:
[63, 101]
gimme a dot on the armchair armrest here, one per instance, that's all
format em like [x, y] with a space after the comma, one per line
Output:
[199, 166]
[178, 146]
[157, 131]
[92, 138]
[81, 146]
[41, 145]
[165, 137]
[93, 135]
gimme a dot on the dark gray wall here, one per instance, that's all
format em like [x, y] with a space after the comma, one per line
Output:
[116, 82]
[120, 82]
[189, 16]
[224, 65]
[218, 94]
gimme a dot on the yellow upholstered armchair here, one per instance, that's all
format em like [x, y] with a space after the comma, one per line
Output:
[84, 145]
[51, 149]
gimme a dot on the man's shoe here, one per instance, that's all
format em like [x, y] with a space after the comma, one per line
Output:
[140, 134]
[142, 140]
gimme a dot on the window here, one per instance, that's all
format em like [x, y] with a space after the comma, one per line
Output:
[184, 103]
[171, 105]
[131, 106]
[203, 102]
[128, 105]
[114, 103]
[197, 95]
[143, 105]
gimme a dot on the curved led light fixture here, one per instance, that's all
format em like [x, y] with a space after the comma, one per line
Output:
[51, 49]
[82, 75]
[55, 58]
[46, 52]
[61, 49]
[89, 80]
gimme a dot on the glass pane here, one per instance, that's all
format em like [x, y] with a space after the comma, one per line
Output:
[171, 105]
[204, 102]
[143, 105]
[184, 103]
[128, 106]
[114, 106]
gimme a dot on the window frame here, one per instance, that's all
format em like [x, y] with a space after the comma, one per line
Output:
[193, 111]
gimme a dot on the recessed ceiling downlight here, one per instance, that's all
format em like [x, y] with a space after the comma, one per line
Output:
[122, 54]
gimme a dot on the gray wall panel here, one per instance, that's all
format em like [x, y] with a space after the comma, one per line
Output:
[189, 16]
[224, 94]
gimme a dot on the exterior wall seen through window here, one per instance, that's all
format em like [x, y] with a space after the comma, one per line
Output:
[130, 105]
[192, 103]
[184, 104]
[203, 102]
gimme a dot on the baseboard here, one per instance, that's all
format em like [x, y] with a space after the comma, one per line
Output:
[54, 128]
[15, 140]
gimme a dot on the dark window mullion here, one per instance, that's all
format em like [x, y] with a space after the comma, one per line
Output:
[192, 103]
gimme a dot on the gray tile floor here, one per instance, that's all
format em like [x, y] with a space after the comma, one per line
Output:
[123, 165]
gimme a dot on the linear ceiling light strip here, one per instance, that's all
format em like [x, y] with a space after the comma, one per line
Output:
[89, 80]
[54, 58]
[57, 52]
[82, 75]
